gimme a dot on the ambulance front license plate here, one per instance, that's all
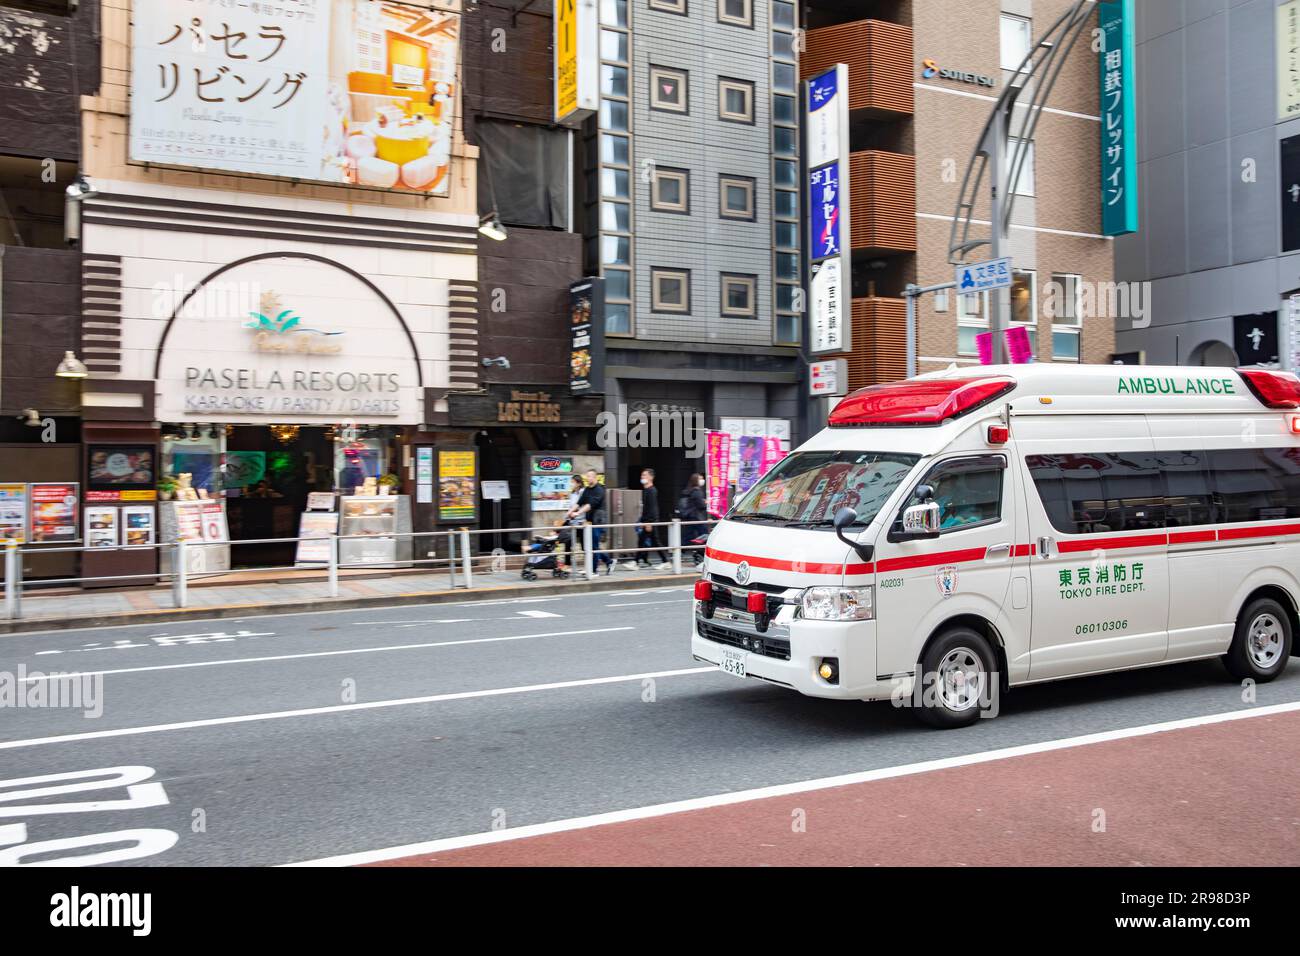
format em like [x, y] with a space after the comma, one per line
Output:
[733, 662]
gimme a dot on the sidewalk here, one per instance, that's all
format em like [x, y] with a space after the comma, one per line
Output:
[245, 593]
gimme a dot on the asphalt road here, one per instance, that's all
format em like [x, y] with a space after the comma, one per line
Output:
[280, 739]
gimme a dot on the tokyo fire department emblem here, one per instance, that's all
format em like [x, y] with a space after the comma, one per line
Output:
[742, 572]
[946, 579]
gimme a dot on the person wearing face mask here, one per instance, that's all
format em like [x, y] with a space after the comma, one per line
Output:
[645, 532]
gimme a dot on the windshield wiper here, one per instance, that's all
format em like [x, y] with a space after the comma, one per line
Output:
[756, 517]
[824, 523]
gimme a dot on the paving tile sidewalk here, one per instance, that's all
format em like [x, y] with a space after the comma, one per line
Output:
[242, 593]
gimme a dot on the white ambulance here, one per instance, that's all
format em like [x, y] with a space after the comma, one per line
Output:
[967, 531]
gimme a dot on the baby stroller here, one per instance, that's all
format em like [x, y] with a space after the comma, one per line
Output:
[542, 557]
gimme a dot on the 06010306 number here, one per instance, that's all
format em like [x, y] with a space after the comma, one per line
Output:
[1099, 626]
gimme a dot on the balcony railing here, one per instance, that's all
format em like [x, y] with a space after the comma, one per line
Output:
[883, 190]
[879, 58]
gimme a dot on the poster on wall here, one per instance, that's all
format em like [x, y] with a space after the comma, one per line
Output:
[424, 475]
[213, 516]
[120, 466]
[457, 486]
[314, 531]
[549, 492]
[54, 509]
[13, 512]
[750, 463]
[358, 92]
[587, 337]
[101, 527]
[137, 527]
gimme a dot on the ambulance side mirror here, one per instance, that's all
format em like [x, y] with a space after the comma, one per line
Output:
[843, 520]
[920, 521]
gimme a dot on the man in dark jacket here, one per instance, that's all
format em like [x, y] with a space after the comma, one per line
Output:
[591, 507]
[645, 533]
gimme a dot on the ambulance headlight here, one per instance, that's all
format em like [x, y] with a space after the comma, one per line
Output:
[839, 604]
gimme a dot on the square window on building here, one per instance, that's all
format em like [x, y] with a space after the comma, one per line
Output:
[668, 89]
[615, 217]
[618, 320]
[787, 235]
[613, 80]
[736, 197]
[1063, 300]
[970, 307]
[735, 100]
[615, 250]
[783, 46]
[783, 14]
[739, 296]
[1017, 38]
[670, 190]
[614, 149]
[614, 183]
[613, 13]
[1025, 184]
[618, 285]
[613, 115]
[785, 141]
[669, 6]
[1023, 290]
[787, 204]
[787, 173]
[785, 298]
[613, 46]
[738, 12]
[787, 266]
[783, 77]
[670, 290]
[787, 329]
[785, 110]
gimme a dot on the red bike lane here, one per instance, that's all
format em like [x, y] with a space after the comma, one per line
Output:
[1221, 794]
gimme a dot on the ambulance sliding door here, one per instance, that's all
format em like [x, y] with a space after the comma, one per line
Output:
[1100, 574]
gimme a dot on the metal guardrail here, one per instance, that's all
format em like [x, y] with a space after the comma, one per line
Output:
[459, 560]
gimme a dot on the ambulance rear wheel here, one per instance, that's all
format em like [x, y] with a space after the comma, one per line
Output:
[1262, 642]
[958, 679]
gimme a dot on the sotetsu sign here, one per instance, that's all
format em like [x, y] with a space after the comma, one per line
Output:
[317, 345]
[342, 91]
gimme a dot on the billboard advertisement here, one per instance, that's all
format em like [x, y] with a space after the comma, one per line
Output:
[358, 92]
[826, 114]
[587, 336]
[1119, 183]
[577, 59]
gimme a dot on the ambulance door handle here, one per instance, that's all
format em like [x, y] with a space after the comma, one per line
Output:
[1045, 544]
[997, 551]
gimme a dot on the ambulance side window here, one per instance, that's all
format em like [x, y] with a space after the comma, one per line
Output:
[968, 492]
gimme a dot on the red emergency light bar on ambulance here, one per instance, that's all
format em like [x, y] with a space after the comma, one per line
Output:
[950, 537]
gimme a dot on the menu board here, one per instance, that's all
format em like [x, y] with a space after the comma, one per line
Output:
[189, 521]
[54, 512]
[424, 475]
[314, 531]
[214, 521]
[457, 486]
[550, 492]
[137, 526]
[101, 527]
[13, 512]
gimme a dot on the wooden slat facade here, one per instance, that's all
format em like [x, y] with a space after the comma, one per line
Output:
[883, 201]
[879, 58]
[879, 342]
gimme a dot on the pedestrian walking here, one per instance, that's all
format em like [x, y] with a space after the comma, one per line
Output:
[693, 509]
[591, 509]
[645, 532]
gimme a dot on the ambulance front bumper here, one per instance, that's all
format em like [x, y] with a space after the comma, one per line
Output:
[791, 651]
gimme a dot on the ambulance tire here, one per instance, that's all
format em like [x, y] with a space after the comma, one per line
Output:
[959, 651]
[1262, 642]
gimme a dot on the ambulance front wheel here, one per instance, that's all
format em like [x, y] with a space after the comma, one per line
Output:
[959, 682]
[1262, 642]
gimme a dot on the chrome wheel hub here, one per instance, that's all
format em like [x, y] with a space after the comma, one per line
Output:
[962, 679]
[1265, 641]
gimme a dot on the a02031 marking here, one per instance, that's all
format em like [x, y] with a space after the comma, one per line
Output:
[141, 793]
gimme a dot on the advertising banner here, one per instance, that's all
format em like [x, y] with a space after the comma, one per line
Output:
[101, 527]
[137, 526]
[457, 486]
[13, 512]
[357, 92]
[718, 470]
[577, 59]
[826, 184]
[54, 511]
[587, 337]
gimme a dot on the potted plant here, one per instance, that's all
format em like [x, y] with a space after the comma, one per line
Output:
[389, 483]
[166, 488]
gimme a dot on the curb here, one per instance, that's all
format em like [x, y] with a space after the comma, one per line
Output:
[222, 611]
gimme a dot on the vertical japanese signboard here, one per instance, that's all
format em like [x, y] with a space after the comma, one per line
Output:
[577, 60]
[359, 92]
[718, 467]
[827, 185]
[1119, 190]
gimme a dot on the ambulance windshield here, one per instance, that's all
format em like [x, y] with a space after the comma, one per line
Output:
[806, 489]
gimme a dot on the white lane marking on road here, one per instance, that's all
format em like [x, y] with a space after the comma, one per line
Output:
[644, 603]
[344, 708]
[538, 614]
[782, 790]
[63, 675]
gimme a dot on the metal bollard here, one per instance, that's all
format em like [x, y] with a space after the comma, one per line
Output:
[451, 560]
[334, 566]
[675, 543]
[13, 581]
[588, 562]
[180, 575]
[466, 558]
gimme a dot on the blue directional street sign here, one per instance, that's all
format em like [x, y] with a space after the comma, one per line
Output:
[984, 276]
